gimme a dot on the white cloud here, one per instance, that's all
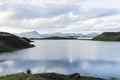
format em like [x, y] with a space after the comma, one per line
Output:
[54, 15]
[109, 23]
[5, 15]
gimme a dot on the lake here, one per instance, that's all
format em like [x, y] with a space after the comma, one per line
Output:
[89, 58]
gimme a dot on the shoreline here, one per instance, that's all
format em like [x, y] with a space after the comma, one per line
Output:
[56, 39]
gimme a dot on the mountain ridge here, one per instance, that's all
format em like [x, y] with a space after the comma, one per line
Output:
[35, 34]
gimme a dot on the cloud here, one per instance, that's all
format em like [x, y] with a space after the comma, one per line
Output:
[52, 15]
[42, 9]
[102, 24]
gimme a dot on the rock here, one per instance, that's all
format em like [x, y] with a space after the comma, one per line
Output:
[52, 76]
[75, 75]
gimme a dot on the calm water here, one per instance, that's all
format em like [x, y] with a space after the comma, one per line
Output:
[91, 58]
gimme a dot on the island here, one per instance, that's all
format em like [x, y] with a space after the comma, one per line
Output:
[47, 76]
[10, 41]
[54, 38]
[108, 36]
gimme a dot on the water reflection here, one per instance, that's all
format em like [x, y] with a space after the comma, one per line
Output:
[92, 58]
[85, 67]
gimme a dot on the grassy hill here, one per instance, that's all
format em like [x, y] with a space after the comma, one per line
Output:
[47, 76]
[108, 36]
[11, 42]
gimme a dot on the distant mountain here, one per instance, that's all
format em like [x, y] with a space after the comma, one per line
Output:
[65, 34]
[91, 34]
[35, 34]
[32, 34]
[108, 36]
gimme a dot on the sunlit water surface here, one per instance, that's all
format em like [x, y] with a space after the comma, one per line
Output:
[89, 58]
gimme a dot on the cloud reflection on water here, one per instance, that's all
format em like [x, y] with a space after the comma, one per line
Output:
[84, 67]
[92, 58]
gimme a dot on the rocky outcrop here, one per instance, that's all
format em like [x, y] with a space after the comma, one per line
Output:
[10, 42]
[51, 76]
[75, 75]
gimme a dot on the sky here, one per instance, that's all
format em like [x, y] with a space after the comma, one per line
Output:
[67, 16]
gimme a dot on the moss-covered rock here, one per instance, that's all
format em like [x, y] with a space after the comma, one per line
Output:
[11, 42]
[108, 36]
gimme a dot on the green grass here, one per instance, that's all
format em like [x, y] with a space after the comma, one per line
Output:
[19, 76]
[44, 76]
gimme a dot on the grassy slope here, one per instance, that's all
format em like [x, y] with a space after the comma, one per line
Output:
[108, 36]
[43, 76]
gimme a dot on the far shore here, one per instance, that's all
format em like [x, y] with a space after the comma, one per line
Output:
[56, 39]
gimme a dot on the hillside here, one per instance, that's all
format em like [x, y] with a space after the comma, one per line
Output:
[108, 36]
[47, 76]
[10, 42]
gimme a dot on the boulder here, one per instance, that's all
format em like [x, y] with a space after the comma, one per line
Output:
[74, 75]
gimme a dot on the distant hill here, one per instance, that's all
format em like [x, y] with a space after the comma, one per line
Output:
[66, 34]
[10, 42]
[32, 34]
[35, 34]
[108, 36]
[91, 34]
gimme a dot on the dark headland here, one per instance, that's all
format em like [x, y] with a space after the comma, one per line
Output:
[108, 36]
[9, 41]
